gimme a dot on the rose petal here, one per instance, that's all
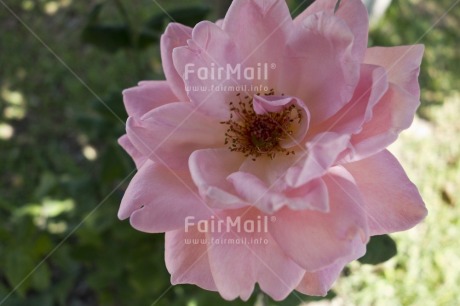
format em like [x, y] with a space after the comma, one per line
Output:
[320, 282]
[349, 120]
[318, 66]
[176, 35]
[158, 200]
[263, 21]
[402, 64]
[316, 240]
[271, 171]
[200, 64]
[392, 114]
[187, 259]
[236, 267]
[272, 192]
[353, 12]
[138, 158]
[147, 96]
[209, 169]
[311, 196]
[391, 201]
[321, 153]
[254, 191]
[272, 104]
[259, 28]
[169, 134]
[219, 22]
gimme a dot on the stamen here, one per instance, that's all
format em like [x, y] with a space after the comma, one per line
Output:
[259, 135]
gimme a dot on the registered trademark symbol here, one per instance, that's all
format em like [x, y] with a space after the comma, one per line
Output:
[273, 66]
[272, 218]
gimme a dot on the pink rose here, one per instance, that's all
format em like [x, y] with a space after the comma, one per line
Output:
[292, 146]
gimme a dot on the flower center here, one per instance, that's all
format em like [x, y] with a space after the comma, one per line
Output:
[255, 134]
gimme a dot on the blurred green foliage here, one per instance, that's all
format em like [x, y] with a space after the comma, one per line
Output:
[62, 174]
[113, 37]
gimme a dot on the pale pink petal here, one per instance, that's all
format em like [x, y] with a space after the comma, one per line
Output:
[393, 113]
[311, 196]
[316, 240]
[402, 64]
[263, 21]
[176, 35]
[318, 66]
[219, 23]
[271, 171]
[270, 174]
[169, 134]
[236, 267]
[272, 192]
[200, 64]
[256, 192]
[209, 169]
[391, 201]
[138, 158]
[272, 104]
[321, 153]
[260, 29]
[320, 282]
[349, 120]
[158, 200]
[187, 259]
[353, 12]
[147, 96]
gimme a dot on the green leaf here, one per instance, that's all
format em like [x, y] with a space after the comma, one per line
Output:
[379, 249]
[18, 265]
[147, 38]
[112, 164]
[94, 14]
[41, 277]
[42, 246]
[47, 182]
[109, 38]
[113, 37]
[299, 6]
